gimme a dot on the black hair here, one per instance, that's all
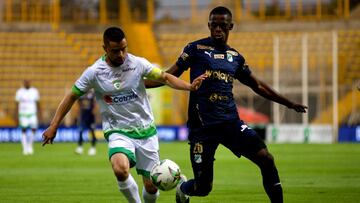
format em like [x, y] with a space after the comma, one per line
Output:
[220, 10]
[113, 34]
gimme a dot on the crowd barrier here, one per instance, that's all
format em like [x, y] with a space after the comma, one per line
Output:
[289, 133]
[71, 134]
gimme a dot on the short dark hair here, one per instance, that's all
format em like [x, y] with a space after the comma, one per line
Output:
[220, 10]
[113, 34]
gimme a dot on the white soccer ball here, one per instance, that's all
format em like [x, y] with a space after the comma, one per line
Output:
[165, 175]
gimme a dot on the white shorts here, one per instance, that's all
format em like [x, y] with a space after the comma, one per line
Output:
[28, 121]
[142, 153]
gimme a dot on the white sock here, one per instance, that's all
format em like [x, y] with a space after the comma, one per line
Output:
[30, 143]
[149, 198]
[24, 143]
[130, 190]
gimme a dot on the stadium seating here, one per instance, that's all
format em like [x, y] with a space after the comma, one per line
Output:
[48, 59]
[53, 60]
[257, 48]
[89, 43]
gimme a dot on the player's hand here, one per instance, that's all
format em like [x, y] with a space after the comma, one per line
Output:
[195, 85]
[298, 108]
[49, 135]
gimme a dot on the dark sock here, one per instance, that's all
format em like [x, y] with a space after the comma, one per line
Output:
[272, 185]
[188, 187]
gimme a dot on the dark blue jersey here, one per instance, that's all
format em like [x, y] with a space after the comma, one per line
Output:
[214, 101]
[86, 105]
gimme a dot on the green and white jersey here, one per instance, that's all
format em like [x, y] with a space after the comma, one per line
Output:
[27, 99]
[121, 95]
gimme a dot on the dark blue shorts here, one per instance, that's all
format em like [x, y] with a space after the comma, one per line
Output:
[234, 135]
[87, 122]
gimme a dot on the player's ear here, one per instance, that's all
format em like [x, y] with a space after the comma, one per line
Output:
[209, 25]
[104, 47]
[231, 26]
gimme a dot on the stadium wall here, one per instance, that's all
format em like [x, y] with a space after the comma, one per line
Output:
[291, 133]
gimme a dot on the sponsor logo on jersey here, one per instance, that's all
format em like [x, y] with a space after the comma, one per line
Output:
[199, 46]
[128, 69]
[208, 53]
[234, 53]
[219, 75]
[229, 57]
[122, 98]
[184, 56]
[108, 74]
[219, 56]
[216, 97]
[116, 84]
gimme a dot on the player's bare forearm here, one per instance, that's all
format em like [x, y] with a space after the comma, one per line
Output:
[179, 84]
[152, 84]
[173, 70]
[63, 108]
[267, 92]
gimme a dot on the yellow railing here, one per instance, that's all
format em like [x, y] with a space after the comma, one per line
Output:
[106, 11]
[300, 9]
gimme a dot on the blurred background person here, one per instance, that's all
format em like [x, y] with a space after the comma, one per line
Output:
[28, 108]
[86, 121]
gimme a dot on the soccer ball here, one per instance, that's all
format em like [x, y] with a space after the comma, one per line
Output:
[165, 175]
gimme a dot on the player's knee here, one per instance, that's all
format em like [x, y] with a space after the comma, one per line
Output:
[121, 166]
[203, 189]
[265, 159]
[269, 159]
[121, 172]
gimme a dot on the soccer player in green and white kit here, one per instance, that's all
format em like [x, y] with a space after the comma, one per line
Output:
[128, 123]
[28, 111]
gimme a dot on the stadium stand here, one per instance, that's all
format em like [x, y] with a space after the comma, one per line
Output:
[54, 58]
[48, 59]
[257, 47]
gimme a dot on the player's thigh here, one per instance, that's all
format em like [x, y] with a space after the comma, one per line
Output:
[85, 124]
[24, 121]
[33, 122]
[147, 155]
[242, 140]
[202, 159]
[122, 144]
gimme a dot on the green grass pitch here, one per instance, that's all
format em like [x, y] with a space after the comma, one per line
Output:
[309, 173]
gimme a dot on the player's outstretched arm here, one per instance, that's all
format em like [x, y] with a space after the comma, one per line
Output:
[267, 92]
[179, 84]
[163, 77]
[173, 70]
[63, 108]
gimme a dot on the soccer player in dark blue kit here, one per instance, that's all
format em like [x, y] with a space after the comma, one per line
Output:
[86, 121]
[212, 115]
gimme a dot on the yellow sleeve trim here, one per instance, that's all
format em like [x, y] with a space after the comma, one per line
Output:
[154, 74]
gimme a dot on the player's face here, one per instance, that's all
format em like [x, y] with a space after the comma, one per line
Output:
[219, 26]
[116, 52]
[27, 84]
